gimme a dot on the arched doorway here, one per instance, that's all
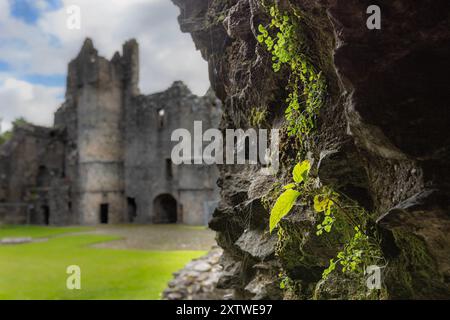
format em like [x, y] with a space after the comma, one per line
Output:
[165, 209]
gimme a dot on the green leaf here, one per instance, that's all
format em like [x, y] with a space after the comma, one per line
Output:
[321, 203]
[261, 28]
[328, 209]
[272, 11]
[301, 171]
[330, 269]
[289, 186]
[282, 207]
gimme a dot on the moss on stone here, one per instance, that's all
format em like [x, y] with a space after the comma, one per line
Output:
[413, 274]
[258, 117]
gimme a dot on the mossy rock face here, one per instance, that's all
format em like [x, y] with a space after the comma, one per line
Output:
[377, 141]
[299, 254]
[304, 256]
[347, 287]
[413, 274]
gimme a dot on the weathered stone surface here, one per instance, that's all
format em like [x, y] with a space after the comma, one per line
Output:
[202, 267]
[148, 154]
[382, 135]
[259, 244]
[29, 161]
[264, 285]
[426, 215]
[198, 280]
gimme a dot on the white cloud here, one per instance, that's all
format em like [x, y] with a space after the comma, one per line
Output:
[19, 98]
[47, 47]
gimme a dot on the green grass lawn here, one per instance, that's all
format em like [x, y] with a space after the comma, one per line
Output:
[38, 270]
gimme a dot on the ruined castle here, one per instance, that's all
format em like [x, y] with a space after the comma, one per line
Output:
[107, 159]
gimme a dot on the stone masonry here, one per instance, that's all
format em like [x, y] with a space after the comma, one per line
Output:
[107, 159]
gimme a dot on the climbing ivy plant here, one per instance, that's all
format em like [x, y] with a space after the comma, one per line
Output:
[306, 86]
[360, 248]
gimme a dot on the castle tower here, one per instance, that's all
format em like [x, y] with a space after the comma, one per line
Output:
[99, 90]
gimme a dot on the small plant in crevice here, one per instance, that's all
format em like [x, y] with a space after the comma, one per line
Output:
[291, 193]
[285, 281]
[306, 86]
[346, 223]
[258, 117]
[360, 247]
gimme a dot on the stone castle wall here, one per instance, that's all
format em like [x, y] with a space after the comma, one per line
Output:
[150, 122]
[114, 157]
[28, 163]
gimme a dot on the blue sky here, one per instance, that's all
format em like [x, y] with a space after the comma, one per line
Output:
[4, 66]
[30, 11]
[36, 46]
[49, 80]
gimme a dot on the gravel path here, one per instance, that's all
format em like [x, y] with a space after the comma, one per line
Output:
[158, 237]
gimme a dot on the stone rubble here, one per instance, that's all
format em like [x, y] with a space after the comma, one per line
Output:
[198, 280]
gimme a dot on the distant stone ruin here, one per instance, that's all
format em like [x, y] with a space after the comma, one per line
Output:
[107, 159]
